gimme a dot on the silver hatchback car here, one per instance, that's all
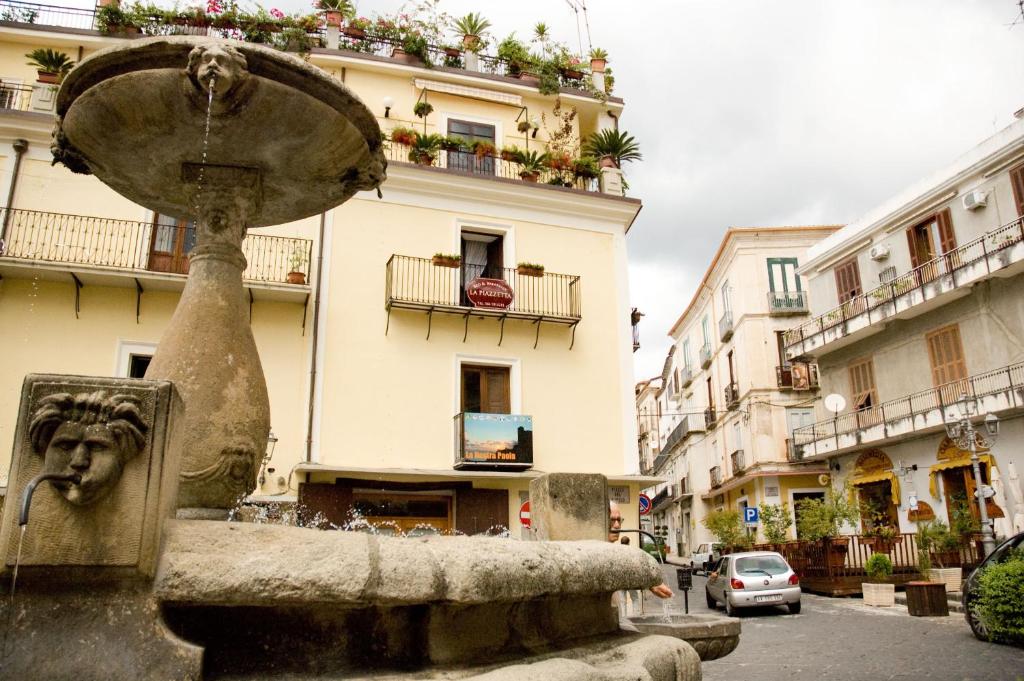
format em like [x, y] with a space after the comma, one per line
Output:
[753, 579]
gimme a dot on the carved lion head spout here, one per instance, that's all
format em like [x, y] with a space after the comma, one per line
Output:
[90, 434]
[220, 65]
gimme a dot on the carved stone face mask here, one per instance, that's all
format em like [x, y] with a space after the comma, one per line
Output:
[92, 452]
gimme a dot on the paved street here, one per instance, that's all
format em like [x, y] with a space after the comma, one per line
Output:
[842, 639]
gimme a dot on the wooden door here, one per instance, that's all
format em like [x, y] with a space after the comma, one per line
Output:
[946, 354]
[848, 285]
[486, 389]
[170, 243]
[481, 510]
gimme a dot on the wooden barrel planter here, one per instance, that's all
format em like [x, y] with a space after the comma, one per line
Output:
[927, 599]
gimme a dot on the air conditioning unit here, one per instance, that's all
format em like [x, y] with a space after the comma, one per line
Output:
[975, 200]
[879, 252]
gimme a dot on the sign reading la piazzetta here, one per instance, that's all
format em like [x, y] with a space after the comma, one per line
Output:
[489, 293]
[495, 441]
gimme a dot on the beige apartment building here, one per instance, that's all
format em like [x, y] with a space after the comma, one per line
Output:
[914, 304]
[728, 397]
[392, 392]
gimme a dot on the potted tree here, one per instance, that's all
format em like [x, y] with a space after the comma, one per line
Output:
[472, 27]
[335, 10]
[424, 149]
[877, 591]
[296, 264]
[879, 534]
[776, 521]
[822, 519]
[612, 148]
[944, 551]
[51, 65]
[598, 59]
[727, 528]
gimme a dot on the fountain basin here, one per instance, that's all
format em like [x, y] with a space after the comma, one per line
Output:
[712, 636]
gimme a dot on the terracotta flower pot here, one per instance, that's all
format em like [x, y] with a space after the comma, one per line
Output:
[353, 32]
[444, 261]
[607, 162]
[296, 277]
[424, 159]
[531, 79]
[530, 177]
[470, 41]
[572, 74]
[452, 52]
[598, 65]
[48, 77]
[333, 17]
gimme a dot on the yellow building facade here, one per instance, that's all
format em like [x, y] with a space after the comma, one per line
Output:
[380, 366]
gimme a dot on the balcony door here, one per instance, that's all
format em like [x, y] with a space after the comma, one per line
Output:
[946, 355]
[784, 284]
[1017, 180]
[486, 389]
[467, 160]
[170, 244]
[848, 281]
[928, 240]
[482, 256]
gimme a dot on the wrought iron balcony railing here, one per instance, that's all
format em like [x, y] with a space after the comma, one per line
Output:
[798, 376]
[685, 376]
[15, 97]
[705, 357]
[739, 461]
[716, 476]
[921, 410]
[732, 396]
[950, 270]
[781, 303]
[133, 246]
[710, 418]
[419, 284]
[725, 326]
[691, 423]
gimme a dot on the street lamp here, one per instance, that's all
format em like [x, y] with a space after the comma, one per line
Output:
[962, 432]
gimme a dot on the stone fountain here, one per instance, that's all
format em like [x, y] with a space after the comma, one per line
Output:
[123, 570]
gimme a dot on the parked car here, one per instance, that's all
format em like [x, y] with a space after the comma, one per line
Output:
[705, 556]
[753, 579]
[657, 550]
[970, 589]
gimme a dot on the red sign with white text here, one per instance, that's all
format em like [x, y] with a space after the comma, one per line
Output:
[489, 293]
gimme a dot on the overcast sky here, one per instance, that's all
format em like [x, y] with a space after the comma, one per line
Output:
[775, 112]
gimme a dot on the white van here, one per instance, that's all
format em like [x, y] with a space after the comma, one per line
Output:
[705, 556]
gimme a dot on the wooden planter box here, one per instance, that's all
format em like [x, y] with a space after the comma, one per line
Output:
[880, 545]
[530, 271]
[442, 261]
[879, 595]
[927, 599]
[836, 549]
[353, 32]
[946, 558]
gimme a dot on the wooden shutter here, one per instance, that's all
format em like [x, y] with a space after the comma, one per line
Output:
[1017, 180]
[915, 262]
[847, 280]
[946, 354]
[862, 384]
[947, 239]
[495, 388]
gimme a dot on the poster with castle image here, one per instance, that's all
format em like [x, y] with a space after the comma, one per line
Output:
[496, 440]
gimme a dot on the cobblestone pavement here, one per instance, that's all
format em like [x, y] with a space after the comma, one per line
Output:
[841, 639]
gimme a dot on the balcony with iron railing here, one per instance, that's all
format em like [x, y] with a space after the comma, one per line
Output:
[905, 417]
[710, 418]
[725, 327]
[690, 423]
[784, 303]
[418, 284]
[1000, 250]
[134, 248]
[739, 462]
[685, 376]
[705, 357]
[716, 476]
[15, 97]
[798, 376]
[732, 396]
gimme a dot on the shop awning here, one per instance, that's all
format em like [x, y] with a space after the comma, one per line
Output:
[894, 482]
[959, 462]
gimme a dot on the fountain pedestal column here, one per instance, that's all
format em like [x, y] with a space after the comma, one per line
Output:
[209, 353]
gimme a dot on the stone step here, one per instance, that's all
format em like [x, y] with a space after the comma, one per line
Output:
[953, 598]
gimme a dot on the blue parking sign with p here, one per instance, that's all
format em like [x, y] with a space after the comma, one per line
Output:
[750, 515]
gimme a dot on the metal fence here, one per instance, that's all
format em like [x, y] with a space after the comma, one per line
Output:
[15, 97]
[945, 265]
[419, 282]
[492, 166]
[1005, 379]
[46, 15]
[126, 244]
[787, 302]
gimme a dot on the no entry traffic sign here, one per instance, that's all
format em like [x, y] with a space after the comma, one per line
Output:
[524, 514]
[645, 504]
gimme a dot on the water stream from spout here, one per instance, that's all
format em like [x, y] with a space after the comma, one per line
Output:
[206, 144]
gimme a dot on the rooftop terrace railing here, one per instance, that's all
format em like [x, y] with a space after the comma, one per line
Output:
[47, 15]
[949, 263]
[126, 244]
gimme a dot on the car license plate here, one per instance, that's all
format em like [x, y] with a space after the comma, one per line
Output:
[768, 599]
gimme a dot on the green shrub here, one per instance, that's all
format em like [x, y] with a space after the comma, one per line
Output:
[775, 520]
[878, 567]
[823, 518]
[727, 526]
[1000, 603]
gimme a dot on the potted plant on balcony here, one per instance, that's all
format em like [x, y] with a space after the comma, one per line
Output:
[424, 149]
[335, 10]
[472, 27]
[423, 109]
[296, 264]
[531, 164]
[404, 136]
[51, 65]
[446, 260]
[598, 59]
[880, 534]
[877, 591]
[529, 269]
[776, 521]
[512, 154]
[113, 19]
[356, 27]
[585, 168]
[482, 149]
[822, 519]
[612, 148]
[944, 550]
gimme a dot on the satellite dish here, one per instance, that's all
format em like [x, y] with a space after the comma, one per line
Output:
[835, 403]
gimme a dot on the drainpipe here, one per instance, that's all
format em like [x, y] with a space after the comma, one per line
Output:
[20, 147]
[316, 329]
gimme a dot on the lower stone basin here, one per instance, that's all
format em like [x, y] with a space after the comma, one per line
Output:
[712, 636]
